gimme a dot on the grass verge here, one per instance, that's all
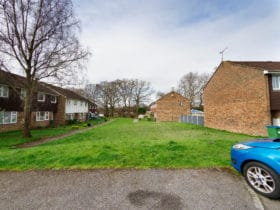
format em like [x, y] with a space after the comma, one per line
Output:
[124, 144]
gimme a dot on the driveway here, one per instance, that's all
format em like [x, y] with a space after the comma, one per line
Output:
[128, 189]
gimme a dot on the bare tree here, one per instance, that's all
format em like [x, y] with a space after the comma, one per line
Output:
[122, 94]
[91, 92]
[188, 86]
[191, 86]
[101, 96]
[141, 92]
[107, 96]
[40, 37]
[125, 89]
[112, 93]
[202, 80]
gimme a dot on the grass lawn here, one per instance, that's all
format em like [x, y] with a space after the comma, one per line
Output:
[123, 144]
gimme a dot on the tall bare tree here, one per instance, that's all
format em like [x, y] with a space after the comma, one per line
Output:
[141, 92]
[191, 86]
[125, 88]
[91, 92]
[107, 96]
[112, 93]
[40, 37]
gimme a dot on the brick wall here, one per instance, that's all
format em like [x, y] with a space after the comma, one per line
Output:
[38, 124]
[171, 106]
[19, 124]
[237, 99]
[14, 126]
[59, 116]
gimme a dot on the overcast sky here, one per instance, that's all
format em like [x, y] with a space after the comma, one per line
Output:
[161, 40]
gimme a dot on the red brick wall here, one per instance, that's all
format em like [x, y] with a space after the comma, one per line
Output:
[14, 126]
[237, 99]
[59, 116]
[19, 124]
[44, 123]
[171, 106]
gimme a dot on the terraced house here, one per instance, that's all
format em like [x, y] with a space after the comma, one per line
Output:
[70, 105]
[51, 104]
[243, 97]
[12, 93]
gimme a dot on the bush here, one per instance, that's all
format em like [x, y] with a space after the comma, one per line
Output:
[142, 110]
[73, 122]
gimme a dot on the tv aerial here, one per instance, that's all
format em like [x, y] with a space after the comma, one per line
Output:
[222, 53]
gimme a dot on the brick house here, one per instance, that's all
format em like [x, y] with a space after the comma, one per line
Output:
[70, 105]
[12, 91]
[170, 107]
[49, 103]
[243, 97]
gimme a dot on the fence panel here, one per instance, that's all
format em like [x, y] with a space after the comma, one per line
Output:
[192, 119]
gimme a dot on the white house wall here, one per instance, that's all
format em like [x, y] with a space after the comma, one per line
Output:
[75, 106]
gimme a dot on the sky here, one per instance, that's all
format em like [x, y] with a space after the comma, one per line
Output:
[161, 40]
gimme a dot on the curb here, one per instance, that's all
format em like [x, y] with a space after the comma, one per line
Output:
[256, 200]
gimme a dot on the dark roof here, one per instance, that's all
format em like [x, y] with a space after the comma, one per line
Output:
[264, 65]
[17, 81]
[67, 93]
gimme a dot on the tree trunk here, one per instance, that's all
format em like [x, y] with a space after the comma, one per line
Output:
[26, 132]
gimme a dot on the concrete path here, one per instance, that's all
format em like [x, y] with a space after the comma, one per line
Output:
[128, 189]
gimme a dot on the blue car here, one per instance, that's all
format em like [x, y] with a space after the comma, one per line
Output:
[259, 162]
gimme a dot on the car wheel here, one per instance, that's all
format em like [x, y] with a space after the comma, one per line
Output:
[262, 179]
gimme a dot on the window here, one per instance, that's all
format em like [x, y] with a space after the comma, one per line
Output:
[4, 91]
[276, 82]
[22, 94]
[75, 102]
[41, 97]
[68, 102]
[53, 99]
[81, 103]
[69, 116]
[41, 116]
[8, 117]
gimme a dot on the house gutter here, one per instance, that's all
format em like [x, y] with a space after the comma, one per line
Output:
[265, 72]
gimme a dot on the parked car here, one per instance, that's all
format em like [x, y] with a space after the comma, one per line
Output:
[259, 162]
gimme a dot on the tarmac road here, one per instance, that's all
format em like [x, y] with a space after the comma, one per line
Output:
[128, 189]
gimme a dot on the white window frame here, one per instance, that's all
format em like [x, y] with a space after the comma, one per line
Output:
[276, 82]
[12, 118]
[2, 91]
[55, 99]
[42, 116]
[39, 94]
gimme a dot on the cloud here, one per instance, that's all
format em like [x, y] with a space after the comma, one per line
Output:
[160, 41]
